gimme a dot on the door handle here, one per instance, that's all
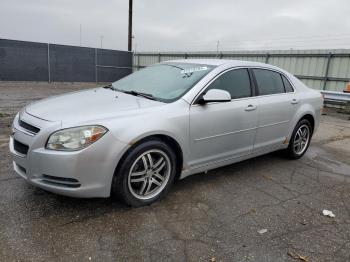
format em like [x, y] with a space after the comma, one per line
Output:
[295, 101]
[250, 108]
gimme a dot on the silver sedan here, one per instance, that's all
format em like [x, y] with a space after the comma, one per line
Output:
[135, 137]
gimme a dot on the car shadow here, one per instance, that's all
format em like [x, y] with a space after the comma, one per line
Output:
[94, 207]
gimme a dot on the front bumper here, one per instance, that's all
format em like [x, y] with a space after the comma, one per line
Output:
[84, 173]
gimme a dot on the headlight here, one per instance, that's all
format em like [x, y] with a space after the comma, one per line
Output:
[76, 138]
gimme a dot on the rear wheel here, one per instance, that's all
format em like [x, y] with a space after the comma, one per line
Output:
[146, 174]
[300, 139]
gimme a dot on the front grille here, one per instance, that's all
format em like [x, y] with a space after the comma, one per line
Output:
[29, 127]
[60, 181]
[20, 147]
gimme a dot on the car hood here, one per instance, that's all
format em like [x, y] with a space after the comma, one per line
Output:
[92, 104]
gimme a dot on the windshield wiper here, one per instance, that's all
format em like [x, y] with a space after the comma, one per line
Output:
[109, 86]
[135, 93]
[132, 92]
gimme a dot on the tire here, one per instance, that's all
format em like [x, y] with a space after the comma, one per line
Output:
[299, 142]
[146, 174]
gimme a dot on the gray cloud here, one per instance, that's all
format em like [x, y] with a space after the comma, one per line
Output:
[181, 25]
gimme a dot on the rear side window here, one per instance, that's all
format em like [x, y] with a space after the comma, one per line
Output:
[269, 82]
[287, 85]
[236, 82]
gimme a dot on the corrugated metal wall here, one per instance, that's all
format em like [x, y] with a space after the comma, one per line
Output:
[318, 69]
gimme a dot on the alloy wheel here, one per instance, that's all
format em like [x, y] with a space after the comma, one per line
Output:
[301, 139]
[149, 174]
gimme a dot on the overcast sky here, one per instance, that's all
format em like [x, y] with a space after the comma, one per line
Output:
[173, 25]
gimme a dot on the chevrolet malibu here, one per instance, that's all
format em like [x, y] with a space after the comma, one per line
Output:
[135, 137]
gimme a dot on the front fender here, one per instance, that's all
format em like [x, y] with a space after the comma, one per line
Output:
[172, 121]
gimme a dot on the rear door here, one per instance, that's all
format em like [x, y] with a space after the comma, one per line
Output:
[277, 106]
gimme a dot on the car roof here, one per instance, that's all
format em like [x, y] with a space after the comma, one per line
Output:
[215, 62]
[226, 62]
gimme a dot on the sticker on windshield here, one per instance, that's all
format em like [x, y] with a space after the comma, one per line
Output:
[194, 69]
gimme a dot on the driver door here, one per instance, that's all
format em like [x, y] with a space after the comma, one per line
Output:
[222, 131]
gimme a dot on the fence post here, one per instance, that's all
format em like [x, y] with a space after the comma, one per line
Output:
[133, 66]
[325, 78]
[138, 61]
[267, 58]
[96, 80]
[48, 63]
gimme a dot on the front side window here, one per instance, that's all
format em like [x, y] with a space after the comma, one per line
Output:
[164, 82]
[236, 82]
[269, 82]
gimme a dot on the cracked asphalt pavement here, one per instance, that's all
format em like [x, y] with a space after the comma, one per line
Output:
[206, 217]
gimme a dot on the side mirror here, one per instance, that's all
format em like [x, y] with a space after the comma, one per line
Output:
[215, 95]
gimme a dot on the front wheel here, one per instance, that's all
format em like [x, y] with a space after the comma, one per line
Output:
[146, 174]
[300, 139]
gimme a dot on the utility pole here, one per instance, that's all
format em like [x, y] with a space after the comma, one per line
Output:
[217, 48]
[101, 40]
[80, 35]
[130, 26]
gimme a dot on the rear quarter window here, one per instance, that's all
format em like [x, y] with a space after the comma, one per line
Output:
[287, 84]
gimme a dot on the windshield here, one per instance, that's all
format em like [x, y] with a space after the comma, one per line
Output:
[164, 82]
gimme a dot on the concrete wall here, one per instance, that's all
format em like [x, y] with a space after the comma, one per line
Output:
[29, 61]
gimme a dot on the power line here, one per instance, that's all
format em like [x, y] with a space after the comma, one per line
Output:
[312, 42]
[306, 40]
